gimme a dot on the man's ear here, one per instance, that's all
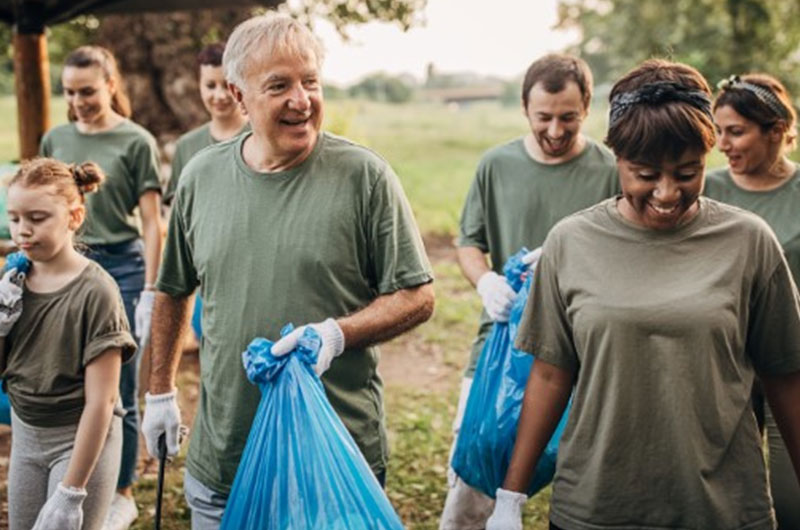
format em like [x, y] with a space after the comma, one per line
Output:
[238, 96]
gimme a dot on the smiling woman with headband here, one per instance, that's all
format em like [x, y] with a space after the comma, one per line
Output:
[655, 310]
[756, 127]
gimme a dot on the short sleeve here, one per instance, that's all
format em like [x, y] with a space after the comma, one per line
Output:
[397, 254]
[177, 166]
[545, 330]
[177, 275]
[45, 149]
[472, 227]
[773, 337]
[106, 324]
[145, 170]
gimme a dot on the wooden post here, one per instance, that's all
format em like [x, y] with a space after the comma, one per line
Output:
[32, 82]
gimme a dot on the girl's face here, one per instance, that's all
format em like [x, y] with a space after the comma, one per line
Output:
[88, 93]
[661, 197]
[41, 221]
[214, 92]
[749, 149]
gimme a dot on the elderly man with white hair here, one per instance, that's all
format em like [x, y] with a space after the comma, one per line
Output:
[283, 224]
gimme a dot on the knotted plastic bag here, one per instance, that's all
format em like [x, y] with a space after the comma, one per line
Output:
[489, 428]
[18, 261]
[301, 469]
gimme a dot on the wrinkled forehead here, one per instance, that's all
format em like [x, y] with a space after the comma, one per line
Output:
[286, 62]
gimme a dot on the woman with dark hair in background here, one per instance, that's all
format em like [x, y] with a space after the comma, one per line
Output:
[756, 129]
[99, 131]
[658, 307]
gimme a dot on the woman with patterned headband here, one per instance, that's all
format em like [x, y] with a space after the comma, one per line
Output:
[756, 129]
[657, 309]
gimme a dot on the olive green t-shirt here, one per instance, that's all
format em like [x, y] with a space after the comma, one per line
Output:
[322, 239]
[45, 356]
[128, 155]
[186, 147]
[665, 331]
[780, 208]
[514, 201]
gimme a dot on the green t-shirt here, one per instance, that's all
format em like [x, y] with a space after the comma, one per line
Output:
[128, 155]
[45, 356]
[185, 148]
[780, 208]
[514, 201]
[665, 331]
[322, 239]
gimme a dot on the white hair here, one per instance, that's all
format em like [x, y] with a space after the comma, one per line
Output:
[274, 33]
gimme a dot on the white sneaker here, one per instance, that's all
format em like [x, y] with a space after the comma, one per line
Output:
[121, 514]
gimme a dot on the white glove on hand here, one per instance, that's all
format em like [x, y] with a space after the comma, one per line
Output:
[507, 514]
[63, 510]
[161, 415]
[10, 300]
[532, 258]
[332, 343]
[143, 315]
[497, 296]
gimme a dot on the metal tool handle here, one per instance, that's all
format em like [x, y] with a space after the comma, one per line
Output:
[162, 461]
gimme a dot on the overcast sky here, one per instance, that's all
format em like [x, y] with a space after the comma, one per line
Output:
[499, 37]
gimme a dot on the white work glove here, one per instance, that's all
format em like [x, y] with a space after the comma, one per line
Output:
[63, 510]
[507, 514]
[10, 300]
[143, 315]
[332, 343]
[497, 296]
[161, 415]
[532, 258]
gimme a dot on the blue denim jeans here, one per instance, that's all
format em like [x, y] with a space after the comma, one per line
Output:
[125, 263]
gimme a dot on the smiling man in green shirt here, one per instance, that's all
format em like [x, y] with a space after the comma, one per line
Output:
[282, 224]
[521, 190]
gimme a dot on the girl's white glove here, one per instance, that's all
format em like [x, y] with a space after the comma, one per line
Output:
[10, 300]
[63, 510]
[497, 296]
[507, 514]
[332, 343]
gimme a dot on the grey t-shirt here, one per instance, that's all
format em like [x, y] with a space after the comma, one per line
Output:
[665, 331]
[57, 335]
[780, 208]
[514, 201]
[322, 239]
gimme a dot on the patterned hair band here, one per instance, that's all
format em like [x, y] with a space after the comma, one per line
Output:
[655, 94]
[765, 95]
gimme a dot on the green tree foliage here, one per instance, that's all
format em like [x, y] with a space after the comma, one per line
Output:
[383, 87]
[719, 37]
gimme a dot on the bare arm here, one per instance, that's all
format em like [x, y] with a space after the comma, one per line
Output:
[102, 391]
[169, 325]
[149, 207]
[546, 396]
[783, 394]
[388, 316]
[473, 263]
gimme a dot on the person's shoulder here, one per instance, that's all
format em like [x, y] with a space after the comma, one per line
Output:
[134, 134]
[596, 153]
[720, 175]
[741, 221]
[96, 283]
[192, 136]
[346, 154]
[59, 131]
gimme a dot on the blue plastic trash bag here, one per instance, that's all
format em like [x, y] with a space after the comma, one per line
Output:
[18, 261]
[301, 469]
[489, 428]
